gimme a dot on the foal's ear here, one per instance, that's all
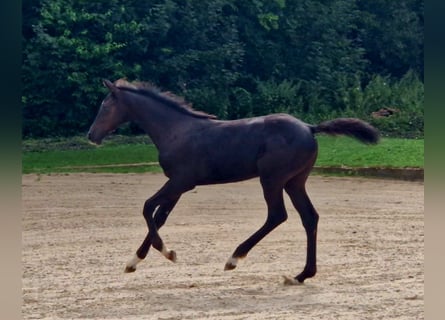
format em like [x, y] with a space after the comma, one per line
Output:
[110, 86]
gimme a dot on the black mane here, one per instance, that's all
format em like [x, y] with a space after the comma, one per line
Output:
[165, 97]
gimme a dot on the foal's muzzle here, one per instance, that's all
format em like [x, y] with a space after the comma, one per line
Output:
[92, 140]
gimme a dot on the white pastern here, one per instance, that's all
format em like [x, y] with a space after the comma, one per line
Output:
[169, 254]
[133, 262]
[291, 281]
[232, 261]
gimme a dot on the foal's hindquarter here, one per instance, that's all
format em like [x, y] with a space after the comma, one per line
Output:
[281, 150]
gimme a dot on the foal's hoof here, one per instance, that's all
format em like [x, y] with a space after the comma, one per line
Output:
[171, 256]
[229, 266]
[131, 265]
[291, 281]
[307, 273]
[130, 269]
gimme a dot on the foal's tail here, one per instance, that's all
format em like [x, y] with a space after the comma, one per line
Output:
[352, 127]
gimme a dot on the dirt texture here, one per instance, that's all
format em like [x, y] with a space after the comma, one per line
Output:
[79, 230]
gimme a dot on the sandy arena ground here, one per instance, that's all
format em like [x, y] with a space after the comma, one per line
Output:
[79, 230]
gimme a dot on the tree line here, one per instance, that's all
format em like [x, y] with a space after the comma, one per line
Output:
[315, 59]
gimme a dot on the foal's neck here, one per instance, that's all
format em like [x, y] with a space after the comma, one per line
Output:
[162, 123]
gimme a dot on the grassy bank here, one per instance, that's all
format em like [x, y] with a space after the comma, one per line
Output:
[389, 153]
[136, 154]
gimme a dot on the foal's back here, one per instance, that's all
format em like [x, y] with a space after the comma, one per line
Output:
[230, 151]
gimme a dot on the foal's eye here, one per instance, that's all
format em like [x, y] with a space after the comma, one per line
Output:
[106, 109]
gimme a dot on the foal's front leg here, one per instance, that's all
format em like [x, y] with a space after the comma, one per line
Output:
[165, 200]
[160, 217]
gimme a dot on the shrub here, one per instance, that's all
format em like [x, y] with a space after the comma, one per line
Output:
[277, 97]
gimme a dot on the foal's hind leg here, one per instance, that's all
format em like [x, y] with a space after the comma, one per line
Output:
[309, 217]
[160, 217]
[273, 194]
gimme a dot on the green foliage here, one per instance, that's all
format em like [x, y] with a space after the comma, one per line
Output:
[275, 97]
[65, 59]
[405, 96]
[240, 104]
[315, 59]
[391, 33]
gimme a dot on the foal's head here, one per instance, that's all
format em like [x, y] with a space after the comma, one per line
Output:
[112, 113]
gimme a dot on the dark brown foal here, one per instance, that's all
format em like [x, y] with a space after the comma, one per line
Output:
[197, 149]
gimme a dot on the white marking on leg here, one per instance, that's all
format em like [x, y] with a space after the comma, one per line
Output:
[231, 263]
[291, 281]
[165, 251]
[169, 254]
[133, 262]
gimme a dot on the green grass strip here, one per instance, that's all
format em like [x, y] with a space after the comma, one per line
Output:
[388, 153]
